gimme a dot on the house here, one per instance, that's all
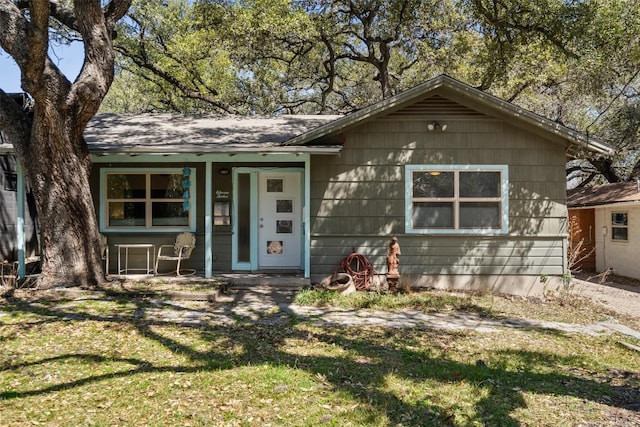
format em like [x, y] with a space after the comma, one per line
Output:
[607, 222]
[18, 219]
[472, 186]
[9, 213]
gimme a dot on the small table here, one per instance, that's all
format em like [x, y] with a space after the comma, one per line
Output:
[126, 246]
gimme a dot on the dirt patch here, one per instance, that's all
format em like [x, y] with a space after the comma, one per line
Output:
[616, 293]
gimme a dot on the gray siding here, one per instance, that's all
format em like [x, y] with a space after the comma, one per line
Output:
[446, 255]
[357, 198]
[9, 214]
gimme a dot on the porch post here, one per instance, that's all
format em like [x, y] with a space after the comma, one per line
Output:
[208, 221]
[20, 241]
[307, 217]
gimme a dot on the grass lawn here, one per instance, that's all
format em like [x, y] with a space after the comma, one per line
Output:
[97, 361]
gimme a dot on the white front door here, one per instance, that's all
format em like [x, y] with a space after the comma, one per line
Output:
[279, 220]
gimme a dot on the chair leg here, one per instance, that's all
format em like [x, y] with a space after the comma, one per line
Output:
[178, 267]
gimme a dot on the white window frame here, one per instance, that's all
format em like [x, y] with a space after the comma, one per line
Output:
[617, 226]
[147, 228]
[503, 199]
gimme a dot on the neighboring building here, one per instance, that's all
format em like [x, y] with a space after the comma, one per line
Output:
[607, 220]
[472, 186]
[18, 217]
[10, 201]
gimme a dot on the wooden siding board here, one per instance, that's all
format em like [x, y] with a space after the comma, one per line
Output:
[529, 173]
[450, 256]
[221, 252]
[361, 194]
[532, 227]
[541, 208]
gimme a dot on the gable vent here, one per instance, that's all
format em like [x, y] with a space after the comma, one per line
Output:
[436, 106]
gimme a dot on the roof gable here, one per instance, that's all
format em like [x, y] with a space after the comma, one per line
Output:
[435, 105]
[457, 98]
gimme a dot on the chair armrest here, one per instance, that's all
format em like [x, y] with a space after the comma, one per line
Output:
[164, 246]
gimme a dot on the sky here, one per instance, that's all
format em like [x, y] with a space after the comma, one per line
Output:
[68, 58]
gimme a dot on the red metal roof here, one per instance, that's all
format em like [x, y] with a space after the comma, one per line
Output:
[605, 194]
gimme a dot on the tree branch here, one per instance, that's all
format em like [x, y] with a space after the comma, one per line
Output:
[179, 84]
[95, 25]
[37, 41]
[605, 167]
[114, 11]
[14, 31]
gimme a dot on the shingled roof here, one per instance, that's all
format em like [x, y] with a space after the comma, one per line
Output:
[179, 133]
[606, 194]
[166, 133]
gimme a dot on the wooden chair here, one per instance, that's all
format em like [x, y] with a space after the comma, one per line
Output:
[182, 249]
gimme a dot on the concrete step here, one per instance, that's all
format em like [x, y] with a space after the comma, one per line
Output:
[246, 281]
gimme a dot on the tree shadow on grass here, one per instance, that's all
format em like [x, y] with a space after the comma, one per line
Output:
[367, 361]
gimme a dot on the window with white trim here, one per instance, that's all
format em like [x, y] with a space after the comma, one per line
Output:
[160, 199]
[445, 199]
[619, 226]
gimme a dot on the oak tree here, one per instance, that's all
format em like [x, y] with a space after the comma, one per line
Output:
[49, 141]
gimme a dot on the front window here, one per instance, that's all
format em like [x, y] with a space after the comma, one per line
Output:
[138, 200]
[619, 226]
[456, 199]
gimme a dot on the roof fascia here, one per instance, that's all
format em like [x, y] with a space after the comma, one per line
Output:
[324, 149]
[607, 205]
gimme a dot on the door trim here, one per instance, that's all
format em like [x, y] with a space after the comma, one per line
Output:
[253, 172]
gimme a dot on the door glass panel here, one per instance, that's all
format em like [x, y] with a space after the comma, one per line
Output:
[275, 185]
[284, 226]
[284, 206]
[244, 217]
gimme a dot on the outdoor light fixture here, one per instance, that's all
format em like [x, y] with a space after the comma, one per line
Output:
[436, 126]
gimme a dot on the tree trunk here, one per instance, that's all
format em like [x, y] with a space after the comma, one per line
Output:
[50, 145]
[59, 169]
